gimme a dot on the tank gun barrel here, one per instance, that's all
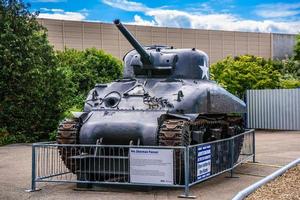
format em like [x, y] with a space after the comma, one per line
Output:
[145, 57]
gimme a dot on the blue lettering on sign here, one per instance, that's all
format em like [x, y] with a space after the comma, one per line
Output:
[203, 161]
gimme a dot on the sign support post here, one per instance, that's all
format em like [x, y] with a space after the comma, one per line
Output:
[187, 175]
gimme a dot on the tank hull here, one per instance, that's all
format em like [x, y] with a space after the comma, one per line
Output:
[121, 127]
[137, 118]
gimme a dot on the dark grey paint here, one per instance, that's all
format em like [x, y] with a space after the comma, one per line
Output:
[174, 84]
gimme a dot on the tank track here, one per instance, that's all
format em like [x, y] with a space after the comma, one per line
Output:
[173, 133]
[68, 132]
[177, 132]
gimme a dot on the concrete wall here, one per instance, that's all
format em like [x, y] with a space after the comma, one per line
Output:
[283, 45]
[217, 44]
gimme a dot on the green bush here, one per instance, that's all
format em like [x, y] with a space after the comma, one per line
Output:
[290, 71]
[290, 83]
[297, 48]
[6, 138]
[289, 68]
[249, 72]
[83, 70]
[32, 87]
[245, 72]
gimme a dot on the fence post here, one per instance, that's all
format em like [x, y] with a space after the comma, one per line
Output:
[33, 173]
[232, 152]
[253, 145]
[231, 156]
[187, 175]
[245, 115]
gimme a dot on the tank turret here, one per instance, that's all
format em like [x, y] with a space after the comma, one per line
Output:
[160, 61]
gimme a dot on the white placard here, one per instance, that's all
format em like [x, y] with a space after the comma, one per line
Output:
[151, 166]
[203, 161]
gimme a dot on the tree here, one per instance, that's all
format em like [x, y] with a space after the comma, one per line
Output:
[245, 72]
[31, 85]
[86, 68]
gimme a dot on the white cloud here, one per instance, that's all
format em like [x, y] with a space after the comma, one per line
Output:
[63, 15]
[200, 8]
[51, 10]
[127, 5]
[220, 22]
[139, 21]
[278, 10]
[217, 21]
[48, 1]
[57, 10]
[45, 9]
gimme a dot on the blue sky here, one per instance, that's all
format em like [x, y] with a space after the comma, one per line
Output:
[258, 16]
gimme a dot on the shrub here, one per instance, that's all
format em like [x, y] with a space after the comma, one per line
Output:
[290, 71]
[290, 83]
[245, 72]
[288, 67]
[84, 69]
[32, 87]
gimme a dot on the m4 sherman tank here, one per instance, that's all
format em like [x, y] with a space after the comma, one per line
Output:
[165, 98]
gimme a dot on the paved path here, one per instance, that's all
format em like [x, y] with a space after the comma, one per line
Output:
[273, 149]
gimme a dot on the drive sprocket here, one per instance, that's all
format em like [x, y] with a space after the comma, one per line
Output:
[68, 132]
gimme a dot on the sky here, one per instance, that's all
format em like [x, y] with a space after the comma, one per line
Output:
[255, 16]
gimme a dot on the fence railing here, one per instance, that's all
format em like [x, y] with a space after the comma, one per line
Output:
[127, 165]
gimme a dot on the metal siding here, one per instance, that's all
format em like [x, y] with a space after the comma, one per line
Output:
[273, 109]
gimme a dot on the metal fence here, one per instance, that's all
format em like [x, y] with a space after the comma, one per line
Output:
[112, 164]
[273, 109]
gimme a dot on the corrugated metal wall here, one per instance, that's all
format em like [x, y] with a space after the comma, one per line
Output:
[217, 44]
[273, 109]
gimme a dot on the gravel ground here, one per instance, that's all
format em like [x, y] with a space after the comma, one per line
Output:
[286, 186]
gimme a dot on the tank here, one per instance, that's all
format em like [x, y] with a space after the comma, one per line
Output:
[165, 98]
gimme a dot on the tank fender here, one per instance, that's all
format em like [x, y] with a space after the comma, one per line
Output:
[189, 117]
[80, 115]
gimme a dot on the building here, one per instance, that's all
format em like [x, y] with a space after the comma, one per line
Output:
[217, 44]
